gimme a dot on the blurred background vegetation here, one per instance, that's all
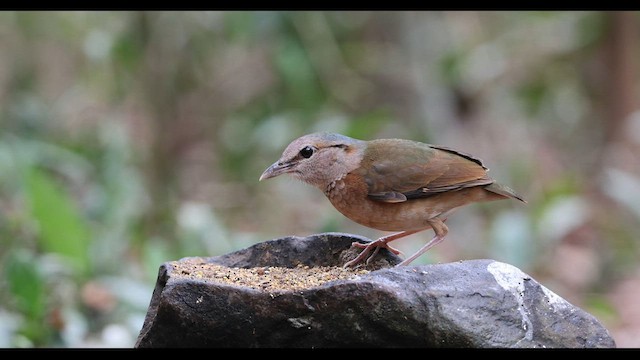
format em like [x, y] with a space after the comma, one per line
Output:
[133, 138]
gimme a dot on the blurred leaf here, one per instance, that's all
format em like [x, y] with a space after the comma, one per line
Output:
[566, 186]
[154, 254]
[26, 284]
[367, 125]
[239, 25]
[601, 307]
[62, 229]
[451, 66]
[331, 224]
[299, 76]
[127, 50]
[533, 95]
[591, 27]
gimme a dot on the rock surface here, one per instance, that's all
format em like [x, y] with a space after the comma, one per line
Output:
[476, 303]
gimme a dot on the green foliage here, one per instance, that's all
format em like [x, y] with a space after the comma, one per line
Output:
[533, 94]
[451, 66]
[601, 308]
[300, 80]
[26, 283]
[367, 125]
[28, 291]
[61, 228]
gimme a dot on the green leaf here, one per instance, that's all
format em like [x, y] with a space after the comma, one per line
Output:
[600, 307]
[62, 229]
[297, 72]
[26, 284]
[366, 125]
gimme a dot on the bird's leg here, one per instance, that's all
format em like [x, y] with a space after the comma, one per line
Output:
[395, 251]
[441, 231]
[383, 241]
[377, 244]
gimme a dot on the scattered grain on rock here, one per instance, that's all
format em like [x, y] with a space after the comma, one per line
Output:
[266, 278]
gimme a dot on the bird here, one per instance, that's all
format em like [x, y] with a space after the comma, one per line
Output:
[394, 185]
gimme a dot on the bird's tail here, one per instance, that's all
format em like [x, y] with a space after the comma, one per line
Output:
[504, 191]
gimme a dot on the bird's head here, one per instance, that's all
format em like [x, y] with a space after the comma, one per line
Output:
[318, 158]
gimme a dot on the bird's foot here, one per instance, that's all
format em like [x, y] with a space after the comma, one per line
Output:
[378, 244]
[368, 247]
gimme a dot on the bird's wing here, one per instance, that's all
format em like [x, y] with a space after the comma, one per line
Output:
[399, 170]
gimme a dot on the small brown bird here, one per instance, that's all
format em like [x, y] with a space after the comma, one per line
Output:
[389, 184]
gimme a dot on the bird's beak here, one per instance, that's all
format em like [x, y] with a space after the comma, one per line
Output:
[277, 168]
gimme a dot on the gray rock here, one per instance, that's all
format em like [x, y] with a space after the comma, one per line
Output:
[476, 303]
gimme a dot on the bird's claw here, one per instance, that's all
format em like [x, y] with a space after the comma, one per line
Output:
[378, 244]
[375, 246]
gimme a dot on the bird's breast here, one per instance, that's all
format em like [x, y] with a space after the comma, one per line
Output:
[349, 195]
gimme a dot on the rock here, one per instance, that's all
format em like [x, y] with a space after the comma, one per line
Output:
[475, 303]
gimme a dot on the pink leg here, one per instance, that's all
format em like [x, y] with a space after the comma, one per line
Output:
[441, 231]
[381, 242]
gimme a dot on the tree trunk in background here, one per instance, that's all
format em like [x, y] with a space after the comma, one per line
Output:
[621, 41]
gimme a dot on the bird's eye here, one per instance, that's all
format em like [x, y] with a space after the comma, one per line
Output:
[306, 152]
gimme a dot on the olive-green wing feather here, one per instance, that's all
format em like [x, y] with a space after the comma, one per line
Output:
[397, 170]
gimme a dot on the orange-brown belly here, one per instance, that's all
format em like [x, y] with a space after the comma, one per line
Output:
[350, 198]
